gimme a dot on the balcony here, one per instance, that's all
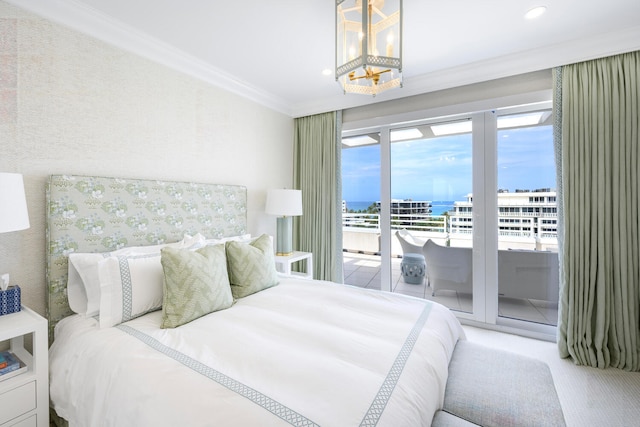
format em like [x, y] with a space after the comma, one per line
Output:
[363, 270]
[361, 242]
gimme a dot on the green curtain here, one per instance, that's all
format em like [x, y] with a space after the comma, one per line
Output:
[599, 315]
[316, 172]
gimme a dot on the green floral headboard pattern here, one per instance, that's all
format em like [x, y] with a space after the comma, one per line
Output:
[98, 214]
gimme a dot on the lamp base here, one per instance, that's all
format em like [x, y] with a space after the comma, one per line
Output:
[284, 245]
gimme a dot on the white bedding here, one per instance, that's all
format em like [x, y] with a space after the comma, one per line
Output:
[300, 353]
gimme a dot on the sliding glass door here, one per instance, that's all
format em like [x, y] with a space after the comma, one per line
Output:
[527, 217]
[431, 184]
[361, 230]
[473, 197]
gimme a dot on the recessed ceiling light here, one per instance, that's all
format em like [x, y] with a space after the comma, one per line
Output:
[535, 12]
[326, 72]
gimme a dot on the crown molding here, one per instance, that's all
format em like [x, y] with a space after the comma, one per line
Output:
[88, 21]
[79, 17]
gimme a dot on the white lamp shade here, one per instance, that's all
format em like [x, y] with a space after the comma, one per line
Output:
[284, 202]
[13, 203]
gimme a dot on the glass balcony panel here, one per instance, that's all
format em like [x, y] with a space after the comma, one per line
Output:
[527, 218]
[360, 215]
[431, 179]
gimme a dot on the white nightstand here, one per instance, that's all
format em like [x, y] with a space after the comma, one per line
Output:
[284, 263]
[24, 398]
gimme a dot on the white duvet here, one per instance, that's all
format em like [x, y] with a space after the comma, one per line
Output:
[300, 353]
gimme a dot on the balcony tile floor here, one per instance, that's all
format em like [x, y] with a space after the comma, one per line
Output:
[363, 270]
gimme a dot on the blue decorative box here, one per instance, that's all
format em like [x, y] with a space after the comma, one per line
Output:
[10, 300]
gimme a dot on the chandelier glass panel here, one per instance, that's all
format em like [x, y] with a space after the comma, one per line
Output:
[368, 45]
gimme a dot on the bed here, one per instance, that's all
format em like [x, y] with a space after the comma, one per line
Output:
[283, 351]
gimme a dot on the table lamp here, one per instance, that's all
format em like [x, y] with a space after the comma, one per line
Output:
[285, 204]
[13, 217]
[13, 203]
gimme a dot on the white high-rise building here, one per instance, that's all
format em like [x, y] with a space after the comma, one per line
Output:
[526, 219]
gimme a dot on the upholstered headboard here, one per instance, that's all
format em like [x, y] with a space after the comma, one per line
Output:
[98, 214]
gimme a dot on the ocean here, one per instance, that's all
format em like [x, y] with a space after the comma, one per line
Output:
[439, 207]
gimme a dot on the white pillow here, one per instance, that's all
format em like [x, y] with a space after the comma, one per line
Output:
[239, 238]
[83, 286]
[130, 286]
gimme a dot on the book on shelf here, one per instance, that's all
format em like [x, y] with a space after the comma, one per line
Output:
[14, 366]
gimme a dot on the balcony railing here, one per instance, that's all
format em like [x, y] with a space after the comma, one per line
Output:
[418, 222]
[429, 223]
[361, 232]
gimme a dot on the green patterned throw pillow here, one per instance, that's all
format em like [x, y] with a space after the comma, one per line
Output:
[252, 267]
[195, 283]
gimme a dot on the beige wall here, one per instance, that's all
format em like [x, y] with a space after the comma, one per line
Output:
[70, 104]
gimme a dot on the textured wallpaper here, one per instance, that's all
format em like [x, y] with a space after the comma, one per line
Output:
[71, 104]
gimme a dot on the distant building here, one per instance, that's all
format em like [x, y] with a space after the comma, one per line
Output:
[408, 207]
[522, 214]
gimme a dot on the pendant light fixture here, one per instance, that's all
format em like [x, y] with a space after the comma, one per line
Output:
[368, 45]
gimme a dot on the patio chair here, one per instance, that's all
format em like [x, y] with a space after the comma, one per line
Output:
[448, 267]
[410, 245]
[413, 264]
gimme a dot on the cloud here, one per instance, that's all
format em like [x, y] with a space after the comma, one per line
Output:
[441, 168]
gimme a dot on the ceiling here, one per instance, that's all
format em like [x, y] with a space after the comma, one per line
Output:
[273, 52]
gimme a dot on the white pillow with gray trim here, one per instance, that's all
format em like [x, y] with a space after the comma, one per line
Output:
[130, 286]
[83, 285]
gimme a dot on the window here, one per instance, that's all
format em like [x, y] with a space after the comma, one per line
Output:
[437, 184]
[361, 210]
[431, 170]
[527, 256]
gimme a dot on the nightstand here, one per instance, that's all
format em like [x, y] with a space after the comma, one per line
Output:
[284, 263]
[24, 398]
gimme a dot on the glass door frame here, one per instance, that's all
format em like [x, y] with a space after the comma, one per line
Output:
[385, 209]
[485, 238]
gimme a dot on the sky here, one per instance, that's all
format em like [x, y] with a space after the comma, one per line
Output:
[441, 168]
